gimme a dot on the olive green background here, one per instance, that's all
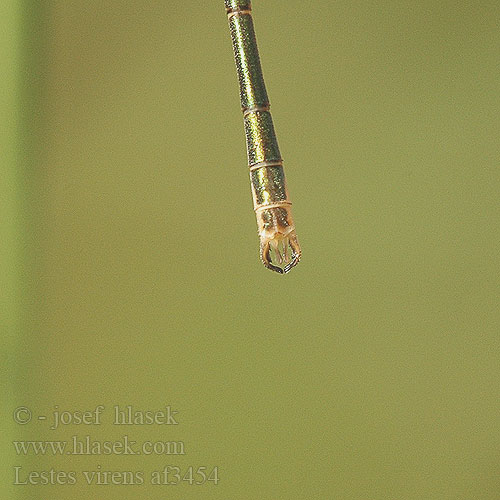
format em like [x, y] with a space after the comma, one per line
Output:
[132, 274]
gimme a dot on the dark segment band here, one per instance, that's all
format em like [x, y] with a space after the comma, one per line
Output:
[238, 5]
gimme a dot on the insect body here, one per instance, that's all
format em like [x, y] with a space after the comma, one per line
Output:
[279, 247]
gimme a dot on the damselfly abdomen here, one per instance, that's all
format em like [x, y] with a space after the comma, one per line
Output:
[279, 247]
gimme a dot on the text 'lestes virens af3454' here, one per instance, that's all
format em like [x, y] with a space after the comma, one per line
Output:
[279, 248]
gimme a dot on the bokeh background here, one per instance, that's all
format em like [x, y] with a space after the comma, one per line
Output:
[131, 269]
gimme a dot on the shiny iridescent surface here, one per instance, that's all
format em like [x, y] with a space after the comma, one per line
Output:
[279, 247]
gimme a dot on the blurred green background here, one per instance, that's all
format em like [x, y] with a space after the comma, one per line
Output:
[132, 274]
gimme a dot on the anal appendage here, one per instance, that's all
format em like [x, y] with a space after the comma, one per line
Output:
[279, 246]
